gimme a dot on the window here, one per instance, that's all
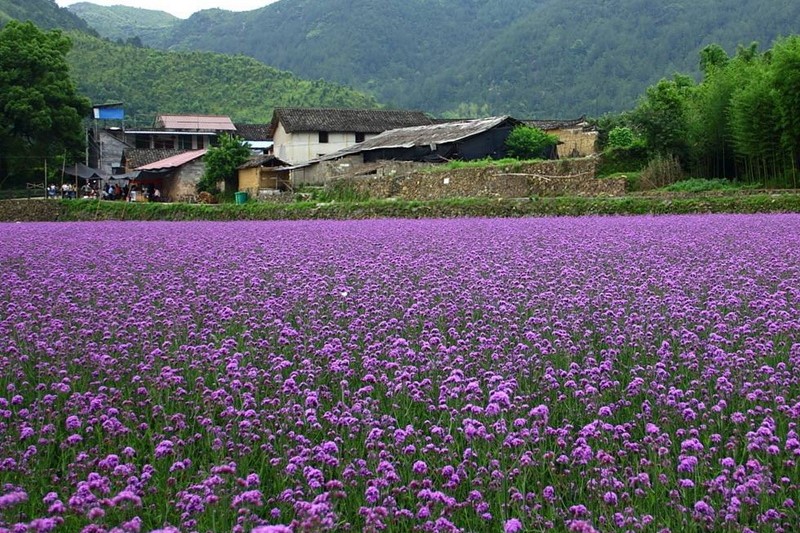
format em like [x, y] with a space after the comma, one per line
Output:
[323, 137]
[143, 141]
[200, 142]
[186, 142]
[163, 143]
[359, 137]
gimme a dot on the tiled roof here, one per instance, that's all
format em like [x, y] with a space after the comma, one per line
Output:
[137, 157]
[195, 122]
[550, 125]
[253, 132]
[264, 161]
[174, 161]
[346, 120]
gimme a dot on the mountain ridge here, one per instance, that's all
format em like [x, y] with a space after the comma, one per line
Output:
[533, 58]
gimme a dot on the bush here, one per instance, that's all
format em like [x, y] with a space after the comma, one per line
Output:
[525, 142]
[621, 137]
[617, 159]
[660, 172]
[702, 185]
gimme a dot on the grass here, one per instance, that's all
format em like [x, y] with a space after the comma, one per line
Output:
[698, 185]
[514, 164]
[448, 208]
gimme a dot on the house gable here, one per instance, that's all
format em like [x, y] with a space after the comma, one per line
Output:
[302, 134]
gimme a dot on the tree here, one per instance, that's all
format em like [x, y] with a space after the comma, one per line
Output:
[40, 110]
[526, 142]
[713, 57]
[786, 82]
[662, 117]
[221, 164]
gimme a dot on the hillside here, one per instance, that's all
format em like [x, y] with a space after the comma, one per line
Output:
[151, 81]
[123, 23]
[532, 58]
[44, 13]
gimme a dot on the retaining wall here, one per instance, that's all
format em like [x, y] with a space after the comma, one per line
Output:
[567, 177]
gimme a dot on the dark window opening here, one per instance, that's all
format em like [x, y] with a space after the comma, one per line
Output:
[143, 142]
[323, 136]
[359, 137]
[163, 143]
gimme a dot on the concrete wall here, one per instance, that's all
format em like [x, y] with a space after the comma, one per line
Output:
[574, 177]
[107, 153]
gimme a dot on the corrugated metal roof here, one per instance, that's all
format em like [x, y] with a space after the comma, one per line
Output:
[175, 161]
[195, 122]
[345, 120]
[444, 133]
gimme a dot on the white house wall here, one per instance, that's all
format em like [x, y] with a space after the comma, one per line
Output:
[300, 147]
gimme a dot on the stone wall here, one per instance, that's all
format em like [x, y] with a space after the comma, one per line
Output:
[30, 210]
[567, 177]
[183, 183]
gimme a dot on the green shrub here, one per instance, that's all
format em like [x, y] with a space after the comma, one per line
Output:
[617, 159]
[525, 142]
[693, 185]
[621, 137]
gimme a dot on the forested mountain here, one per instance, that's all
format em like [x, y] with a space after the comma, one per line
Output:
[152, 81]
[124, 23]
[532, 58]
[44, 13]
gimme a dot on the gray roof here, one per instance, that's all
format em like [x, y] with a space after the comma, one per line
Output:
[138, 157]
[553, 124]
[80, 170]
[264, 161]
[442, 133]
[346, 120]
[254, 132]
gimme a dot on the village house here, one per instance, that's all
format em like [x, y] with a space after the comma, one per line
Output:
[576, 137]
[115, 150]
[303, 134]
[465, 140]
[175, 177]
[263, 175]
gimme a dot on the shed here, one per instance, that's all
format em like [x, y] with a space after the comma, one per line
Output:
[264, 173]
[176, 176]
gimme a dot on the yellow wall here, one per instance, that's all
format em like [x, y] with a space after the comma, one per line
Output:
[248, 179]
[575, 142]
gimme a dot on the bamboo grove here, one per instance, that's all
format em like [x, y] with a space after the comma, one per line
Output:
[741, 121]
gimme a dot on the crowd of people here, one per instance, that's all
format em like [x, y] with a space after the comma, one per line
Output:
[70, 191]
[111, 191]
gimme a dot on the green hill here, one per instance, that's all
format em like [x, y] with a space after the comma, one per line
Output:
[532, 58]
[44, 13]
[153, 81]
[123, 23]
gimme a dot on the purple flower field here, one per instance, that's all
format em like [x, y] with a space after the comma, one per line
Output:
[609, 374]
